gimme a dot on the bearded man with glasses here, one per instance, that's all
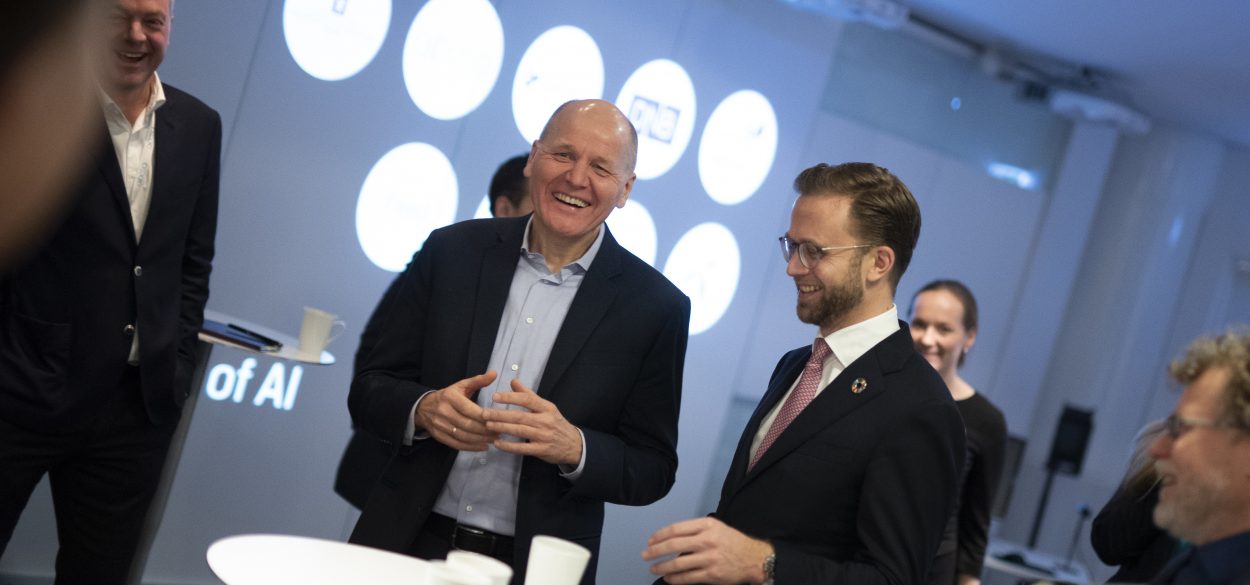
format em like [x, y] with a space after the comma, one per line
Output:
[847, 471]
[1203, 460]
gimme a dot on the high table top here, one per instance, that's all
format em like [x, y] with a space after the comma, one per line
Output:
[276, 559]
[290, 345]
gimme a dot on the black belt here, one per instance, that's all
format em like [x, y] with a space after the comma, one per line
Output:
[469, 538]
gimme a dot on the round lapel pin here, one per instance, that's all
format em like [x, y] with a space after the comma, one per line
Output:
[858, 385]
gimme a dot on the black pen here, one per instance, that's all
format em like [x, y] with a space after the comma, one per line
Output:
[268, 341]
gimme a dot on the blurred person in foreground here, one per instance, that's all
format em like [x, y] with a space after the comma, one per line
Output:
[1203, 461]
[530, 368]
[365, 457]
[944, 327]
[98, 326]
[848, 469]
[46, 116]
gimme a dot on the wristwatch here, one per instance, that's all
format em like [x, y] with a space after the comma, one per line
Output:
[770, 563]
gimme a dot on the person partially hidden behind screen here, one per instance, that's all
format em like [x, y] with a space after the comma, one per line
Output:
[365, 456]
[529, 369]
[1203, 460]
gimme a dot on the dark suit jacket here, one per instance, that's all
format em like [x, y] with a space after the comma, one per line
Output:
[859, 487]
[64, 312]
[614, 372]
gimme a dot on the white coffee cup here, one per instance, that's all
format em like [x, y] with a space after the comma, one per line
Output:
[442, 573]
[555, 561]
[314, 333]
[498, 571]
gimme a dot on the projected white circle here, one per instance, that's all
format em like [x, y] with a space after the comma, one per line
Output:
[452, 56]
[705, 264]
[335, 39]
[410, 192]
[737, 148]
[563, 63]
[659, 100]
[634, 229]
[483, 208]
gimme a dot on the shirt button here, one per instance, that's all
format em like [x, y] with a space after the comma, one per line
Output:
[515, 367]
[468, 508]
[529, 320]
[138, 271]
[128, 330]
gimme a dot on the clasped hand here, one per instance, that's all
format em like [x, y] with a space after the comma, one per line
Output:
[454, 419]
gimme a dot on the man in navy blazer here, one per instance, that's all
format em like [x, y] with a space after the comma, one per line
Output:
[847, 470]
[98, 325]
[530, 368]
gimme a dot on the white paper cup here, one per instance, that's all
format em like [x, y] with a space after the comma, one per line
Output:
[442, 573]
[314, 332]
[554, 561]
[498, 571]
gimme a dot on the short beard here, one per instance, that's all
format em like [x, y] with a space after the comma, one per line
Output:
[1193, 508]
[836, 300]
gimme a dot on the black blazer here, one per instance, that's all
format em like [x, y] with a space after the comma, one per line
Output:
[65, 312]
[859, 487]
[614, 371]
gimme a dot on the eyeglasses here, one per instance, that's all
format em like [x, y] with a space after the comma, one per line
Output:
[1175, 426]
[809, 253]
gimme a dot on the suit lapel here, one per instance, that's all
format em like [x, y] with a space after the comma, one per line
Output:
[835, 401]
[595, 295]
[110, 169]
[499, 261]
[165, 160]
[787, 372]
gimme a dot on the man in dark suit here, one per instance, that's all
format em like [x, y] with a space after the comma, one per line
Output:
[530, 369]
[98, 325]
[1203, 460]
[365, 457]
[847, 470]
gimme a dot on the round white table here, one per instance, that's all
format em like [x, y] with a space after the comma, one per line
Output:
[275, 559]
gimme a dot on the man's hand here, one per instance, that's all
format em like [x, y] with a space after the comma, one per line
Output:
[548, 436]
[453, 419]
[709, 552]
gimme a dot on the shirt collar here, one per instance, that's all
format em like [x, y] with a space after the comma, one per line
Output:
[582, 263]
[849, 343]
[113, 112]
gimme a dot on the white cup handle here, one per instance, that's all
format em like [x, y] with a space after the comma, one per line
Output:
[341, 325]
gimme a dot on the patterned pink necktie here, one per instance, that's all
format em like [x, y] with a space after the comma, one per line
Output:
[809, 382]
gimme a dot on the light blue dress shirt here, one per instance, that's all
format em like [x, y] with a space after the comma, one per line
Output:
[482, 488]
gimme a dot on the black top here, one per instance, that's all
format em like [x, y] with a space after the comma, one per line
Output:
[1124, 534]
[967, 532]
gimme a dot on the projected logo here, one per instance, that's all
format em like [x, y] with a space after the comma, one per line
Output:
[705, 265]
[634, 229]
[737, 148]
[225, 382]
[563, 63]
[333, 40]
[452, 56]
[659, 100]
[409, 193]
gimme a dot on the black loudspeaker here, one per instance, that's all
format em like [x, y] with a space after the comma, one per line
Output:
[1067, 452]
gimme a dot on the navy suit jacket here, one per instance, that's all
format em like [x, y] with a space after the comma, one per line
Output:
[614, 372]
[65, 311]
[859, 487]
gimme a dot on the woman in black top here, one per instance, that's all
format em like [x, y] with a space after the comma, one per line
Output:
[944, 328]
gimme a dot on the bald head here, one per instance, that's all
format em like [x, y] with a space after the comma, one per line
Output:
[601, 114]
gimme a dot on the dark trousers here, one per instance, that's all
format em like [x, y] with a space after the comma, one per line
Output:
[102, 479]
